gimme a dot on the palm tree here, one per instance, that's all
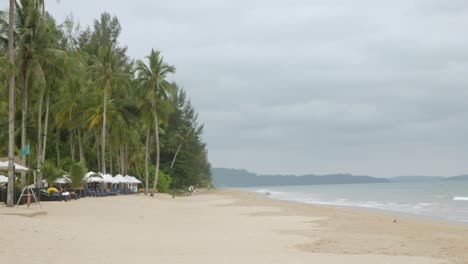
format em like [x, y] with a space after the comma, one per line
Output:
[109, 75]
[156, 88]
[11, 109]
[29, 18]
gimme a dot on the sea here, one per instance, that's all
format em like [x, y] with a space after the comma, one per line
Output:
[441, 200]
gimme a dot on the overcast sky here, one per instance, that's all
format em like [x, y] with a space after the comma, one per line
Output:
[312, 86]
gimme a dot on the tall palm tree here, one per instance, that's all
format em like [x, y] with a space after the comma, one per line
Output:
[29, 18]
[156, 88]
[108, 72]
[11, 109]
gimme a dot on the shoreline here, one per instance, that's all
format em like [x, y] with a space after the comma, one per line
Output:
[414, 235]
[223, 226]
[446, 206]
[371, 210]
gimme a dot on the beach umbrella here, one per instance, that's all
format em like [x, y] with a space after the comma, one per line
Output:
[120, 179]
[89, 174]
[130, 179]
[94, 177]
[3, 179]
[107, 178]
[63, 180]
[18, 168]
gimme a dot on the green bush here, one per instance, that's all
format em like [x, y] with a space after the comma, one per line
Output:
[164, 182]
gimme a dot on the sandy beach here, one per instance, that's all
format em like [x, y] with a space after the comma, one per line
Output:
[222, 226]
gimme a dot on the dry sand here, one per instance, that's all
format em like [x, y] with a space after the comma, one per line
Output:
[222, 227]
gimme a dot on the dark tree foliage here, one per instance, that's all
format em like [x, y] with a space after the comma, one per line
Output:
[72, 73]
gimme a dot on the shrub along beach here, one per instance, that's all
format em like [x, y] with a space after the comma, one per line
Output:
[83, 104]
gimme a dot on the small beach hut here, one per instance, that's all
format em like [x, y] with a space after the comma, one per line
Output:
[133, 182]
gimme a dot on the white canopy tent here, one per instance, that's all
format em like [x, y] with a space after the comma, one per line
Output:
[63, 180]
[3, 179]
[120, 179]
[93, 177]
[18, 168]
[107, 178]
[133, 182]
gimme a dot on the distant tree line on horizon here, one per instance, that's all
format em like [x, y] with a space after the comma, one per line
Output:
[82, 101]
[224, 177]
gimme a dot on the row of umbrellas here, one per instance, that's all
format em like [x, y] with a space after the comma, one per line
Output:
[88, 177]
[107, 178]
[91, 177]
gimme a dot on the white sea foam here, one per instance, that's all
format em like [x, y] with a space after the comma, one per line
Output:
[418, 199]
[460, 198]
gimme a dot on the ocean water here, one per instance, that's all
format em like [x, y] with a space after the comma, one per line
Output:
[439, 200]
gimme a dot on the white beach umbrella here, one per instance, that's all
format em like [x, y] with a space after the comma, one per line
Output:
[89, 174]
[120, 179]
[132, 179]
[107, 178]
[95, 177]
[18, 168]
[3, 179]
[63, 180]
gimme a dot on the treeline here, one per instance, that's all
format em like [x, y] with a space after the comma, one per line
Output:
[241, 178]
[80, 99]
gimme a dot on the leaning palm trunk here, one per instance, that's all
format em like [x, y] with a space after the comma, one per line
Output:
[46, 124]
[126, 159]
[97, 151]
[122, 160]
[39, 129]
[103, 140]
[57, 147]
[147, 160]
[175, 156]
[111, 163]
[24, 115]
[156, 134]
[80, 146]
[11, 110]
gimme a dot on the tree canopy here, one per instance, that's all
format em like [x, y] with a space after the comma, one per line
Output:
[83, 103]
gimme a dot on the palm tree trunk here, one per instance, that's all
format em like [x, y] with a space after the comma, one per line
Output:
[46, 125]
[147, 160]
[24, 115]
[39, 128]
[156, 134]
[11, 111]
[111, 157]
[120, 160]
[175, 156]
[97, 151]
[72, 144]
[103, 141]
[80, 146]
[126, 159]
[138, 172]
[57, 148]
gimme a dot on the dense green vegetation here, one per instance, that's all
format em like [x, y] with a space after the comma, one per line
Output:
[81, 100]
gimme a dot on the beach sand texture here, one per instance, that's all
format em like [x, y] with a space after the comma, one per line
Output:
[222, 226]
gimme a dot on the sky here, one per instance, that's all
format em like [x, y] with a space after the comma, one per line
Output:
[312, 86]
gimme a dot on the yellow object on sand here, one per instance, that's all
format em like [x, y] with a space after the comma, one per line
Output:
[52, 190]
